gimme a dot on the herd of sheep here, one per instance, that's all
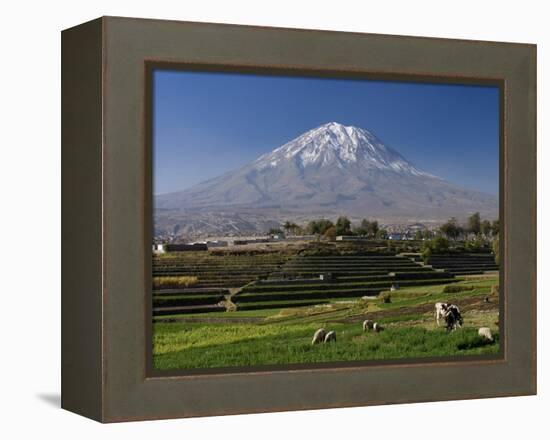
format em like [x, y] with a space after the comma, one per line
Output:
[448, 312]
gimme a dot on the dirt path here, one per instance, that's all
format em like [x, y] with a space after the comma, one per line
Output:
[230, 306]
[210, 320]
[465, 305]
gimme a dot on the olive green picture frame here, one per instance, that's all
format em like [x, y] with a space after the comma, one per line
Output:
[107, 370]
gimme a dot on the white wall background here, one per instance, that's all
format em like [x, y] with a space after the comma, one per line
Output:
[30, 214]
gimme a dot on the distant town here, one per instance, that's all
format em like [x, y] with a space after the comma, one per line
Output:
[341, 230]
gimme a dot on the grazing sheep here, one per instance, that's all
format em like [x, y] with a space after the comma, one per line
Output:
[367, 325]
[485, 333]
[330, 337]
[377, 327]
[319, 336]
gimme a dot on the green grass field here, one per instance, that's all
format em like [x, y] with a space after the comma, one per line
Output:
[283, 335]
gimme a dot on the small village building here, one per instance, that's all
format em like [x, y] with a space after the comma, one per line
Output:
[158, 248]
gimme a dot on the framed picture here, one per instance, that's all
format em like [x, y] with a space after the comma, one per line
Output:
[262, 219]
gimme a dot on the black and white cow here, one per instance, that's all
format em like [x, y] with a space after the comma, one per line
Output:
[453, 318]
[440, 310]
[450, 314]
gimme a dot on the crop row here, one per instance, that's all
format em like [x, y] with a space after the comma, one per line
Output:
[359, 277]
[315, 294]
[160, 311]
[191, 292]
[374, 281]
[334, 287]
[195, 300]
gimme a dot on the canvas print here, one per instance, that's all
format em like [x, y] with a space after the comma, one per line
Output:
[303, 221]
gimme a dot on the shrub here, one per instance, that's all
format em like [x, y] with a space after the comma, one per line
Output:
[456, 289]
[330, 234]
[319, 226]
[426, 254]
[320, 250]
[437, 245]
[174, 282]
[440, 244]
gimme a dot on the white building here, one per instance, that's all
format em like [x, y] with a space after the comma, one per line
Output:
[159, 248]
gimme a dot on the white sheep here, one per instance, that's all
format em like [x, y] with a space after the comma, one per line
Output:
[319, 336]
[367, 325]
[485, 333]
[330, 336]
[377, 327]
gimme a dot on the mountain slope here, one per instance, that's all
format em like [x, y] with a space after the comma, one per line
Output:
[334, 169]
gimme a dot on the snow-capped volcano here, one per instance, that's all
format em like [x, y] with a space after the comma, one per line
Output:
[327, 171]
[335, 143]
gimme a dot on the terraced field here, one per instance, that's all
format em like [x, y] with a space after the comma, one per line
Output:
[262, 307]
[464, 263]
[266, 280]
[216, 269]
[298, 282]
[218, 276]
[283, 335]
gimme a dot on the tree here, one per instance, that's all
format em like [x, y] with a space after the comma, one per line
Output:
[291, 227]
[486, 228]
[451, 229]
[312, 227]
[373, 230]
[426, 254]
[287, 226]
[343, 226]
[274, 231]
[330, 233]
[440, 244]
[474, 244]
[367, 228]
[382, 234]
[363, 228]
[474, 223]
[418, 235]
[319, 226]
[426, 234]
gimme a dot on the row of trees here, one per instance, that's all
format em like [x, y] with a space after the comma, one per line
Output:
[343, 226]
[451, 230]
[475, 225]
[440, 244]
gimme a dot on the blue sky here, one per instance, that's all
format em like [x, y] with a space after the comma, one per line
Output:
[205, 124]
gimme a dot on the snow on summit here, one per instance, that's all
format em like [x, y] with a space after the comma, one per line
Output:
[334, 143]
[330, 170]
